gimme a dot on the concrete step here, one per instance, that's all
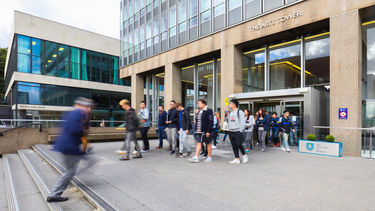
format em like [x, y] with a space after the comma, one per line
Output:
[46, 177]
[103, 195]
[3, 197]
[22, 193]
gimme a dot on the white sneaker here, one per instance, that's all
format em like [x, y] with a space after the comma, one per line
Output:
[208, 160]
[121, 152]
[144, 151]
[288, 150]
[245, 159]
[235, 161]
[283, 149]
[194, 160]
[214, 147]
[135, 152]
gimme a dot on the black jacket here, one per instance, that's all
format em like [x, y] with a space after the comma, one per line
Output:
[173, 117]
[131, 120]
[185, 120]
[207, 121]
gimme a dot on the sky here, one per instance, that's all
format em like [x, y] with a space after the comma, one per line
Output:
[100, 16]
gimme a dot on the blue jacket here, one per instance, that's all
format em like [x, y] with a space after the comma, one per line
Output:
[145, 114]
[173, 117]
[69, 141]
[263, 123]
[162, 119]
[274, 123]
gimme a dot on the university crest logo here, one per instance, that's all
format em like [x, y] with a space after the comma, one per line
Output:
[310, 146]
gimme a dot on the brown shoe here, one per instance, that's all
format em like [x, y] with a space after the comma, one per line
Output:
[138, 156]
[158, 147]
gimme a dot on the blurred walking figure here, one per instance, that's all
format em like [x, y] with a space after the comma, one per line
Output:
[236, 126]
[248, 132]
[172, 123]
[215, 129]
[161, 126]
[203, 130]
[72, 144]
[274, 123]
[262, 122]
[285, 128]
[144, 114]
[131, 125]
[184, 127]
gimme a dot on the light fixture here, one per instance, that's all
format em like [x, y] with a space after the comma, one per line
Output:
[54, 55]
[28, 50]
[61, 49]
[49, 61]
[33, 42]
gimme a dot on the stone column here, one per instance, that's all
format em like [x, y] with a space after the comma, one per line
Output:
[172, 83]
[345, 79]
[231, 76]
[137, 88]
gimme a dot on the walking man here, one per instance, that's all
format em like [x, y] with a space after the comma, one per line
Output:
[144, 115]
[172, 123]
[184, 127]
[286, 126]
[161, 126]
[131, 124]
[203, 129]
[69, 144]
[236, 126]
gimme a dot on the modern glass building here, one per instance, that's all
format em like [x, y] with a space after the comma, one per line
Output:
[47, 70]
[312, 58]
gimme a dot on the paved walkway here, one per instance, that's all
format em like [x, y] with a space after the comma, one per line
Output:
[273, 180]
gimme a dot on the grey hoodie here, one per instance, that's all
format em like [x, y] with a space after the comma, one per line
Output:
[234, 123]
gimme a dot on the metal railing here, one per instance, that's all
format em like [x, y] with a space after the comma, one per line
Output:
[47, 123]
[21, 126]
[367, 145]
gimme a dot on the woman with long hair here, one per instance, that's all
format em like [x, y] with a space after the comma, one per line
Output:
[248, 132]
[262, 123]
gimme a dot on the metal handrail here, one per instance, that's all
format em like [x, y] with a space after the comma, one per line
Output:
[51, 120]
[24, 125]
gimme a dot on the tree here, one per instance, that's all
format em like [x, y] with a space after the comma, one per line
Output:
[3, 57]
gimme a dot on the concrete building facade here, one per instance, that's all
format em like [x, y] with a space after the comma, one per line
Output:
[312, 57]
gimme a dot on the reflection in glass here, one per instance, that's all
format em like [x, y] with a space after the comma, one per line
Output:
[317, 60]
[75, 60]
[253, 8]
[187, 83]
[253, 71]
[23, 63]
[28, 93]
[23, 44]
[272, 4]
[36, 65]
[368, 75]
[285, 66]
[205, 83]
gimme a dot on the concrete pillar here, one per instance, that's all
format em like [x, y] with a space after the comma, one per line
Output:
[231, 76]
[345, 79]
[172, 83]
[137, 89]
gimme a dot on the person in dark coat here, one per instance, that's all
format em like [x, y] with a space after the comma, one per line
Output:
[172, 124]
[161, 126]
[184, 127]
[69, 144]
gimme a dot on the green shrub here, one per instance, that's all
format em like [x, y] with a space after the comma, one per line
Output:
[221, 131]
[330, 138]
[311, 137]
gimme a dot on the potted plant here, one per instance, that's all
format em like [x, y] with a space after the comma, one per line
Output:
[327, 147]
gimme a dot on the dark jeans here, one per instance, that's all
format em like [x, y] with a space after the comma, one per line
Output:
[161, 135]
[236, 139]
[274, 136]
[214, 137]
[146, 144]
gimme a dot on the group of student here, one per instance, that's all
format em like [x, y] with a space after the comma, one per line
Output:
[175, 125]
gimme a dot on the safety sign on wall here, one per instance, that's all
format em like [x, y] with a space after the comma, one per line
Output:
[343, 113]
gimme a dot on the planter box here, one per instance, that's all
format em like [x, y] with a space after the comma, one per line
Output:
[333, 149]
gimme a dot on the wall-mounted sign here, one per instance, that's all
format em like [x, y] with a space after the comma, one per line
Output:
[343, 113]
[275, 21]
[226, 101]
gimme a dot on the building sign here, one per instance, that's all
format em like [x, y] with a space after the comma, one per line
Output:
[226, 101]
[343, 113]
[275, 21]
[320, 148]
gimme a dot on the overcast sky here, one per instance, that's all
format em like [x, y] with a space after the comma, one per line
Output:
[100, 16]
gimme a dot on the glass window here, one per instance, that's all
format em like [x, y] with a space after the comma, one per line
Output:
[23, 63]
[235, 11]
[116, 74]
[164, 22]
[205, 5]
[233, 4]
[253, 71]
[37, 47]
[101, 98]
[219, 10]
[285, 65]
[37, 66]
[182, 11]
[193, 8]
[75, 60]
[28, 93]
[205, 83]
[50, 61]
[182, 27]
[63, 60]
[317, 60]
[23, 44]
[368, 75]
[156, 26]
[172, 16]
[193, 21]
[272, 4]
[253, 8]
[217, 2]
[205, 16]
[84, 65]
[187, 91]
[148, 29]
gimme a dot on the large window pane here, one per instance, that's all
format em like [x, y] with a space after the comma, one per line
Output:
[75, 60]
[172, 16]
[253, 8]
[234, 4]
[164, 22]
[285, 66]
[205, 22]
[23, 63]
[84, 66]
[63, 60]
[235, 11]
[28, 93]
[156, 26]
[36, 65]
[193, 8]
[182, 11]
[205, 83]
[116, 75]
[317, 60]
[23, 44]
[272, 4]
[187, 91]
[50, 61]
[253, 71]
[219, 16]
[368, 76]
[37, 47]
[205, 5]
